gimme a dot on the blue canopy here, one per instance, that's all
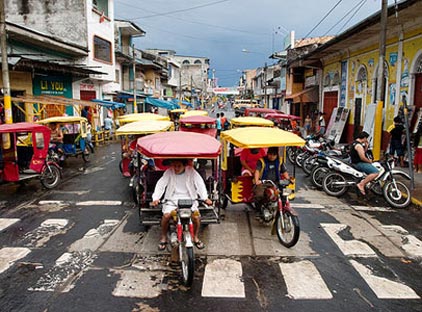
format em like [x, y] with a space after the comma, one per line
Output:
[109, 104]
[161, 103]
[176, 101]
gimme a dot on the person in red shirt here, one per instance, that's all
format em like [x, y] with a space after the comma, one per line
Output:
[249, 159]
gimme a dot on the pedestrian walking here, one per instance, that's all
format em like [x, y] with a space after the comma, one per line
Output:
[307, 124]
[396, 145]
[218, 124]
[418, 150]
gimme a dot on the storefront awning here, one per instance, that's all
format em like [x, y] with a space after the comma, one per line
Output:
[304, 96]
[109, 104]
[160, 103]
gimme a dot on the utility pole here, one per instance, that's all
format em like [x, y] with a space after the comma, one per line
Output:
[265, 86]
[191, 91]
[7, 100]
[180, 84]
[135, 105]
[380, 82]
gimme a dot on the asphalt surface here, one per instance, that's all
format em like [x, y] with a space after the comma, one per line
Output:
[108, 262]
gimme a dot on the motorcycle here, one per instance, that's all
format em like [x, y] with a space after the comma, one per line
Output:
[396, 193]
[275, 208]
[181, 235]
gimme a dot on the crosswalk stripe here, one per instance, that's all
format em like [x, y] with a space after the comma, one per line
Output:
[9, 255]
[382, 287]
[410, 243]
[223, 278]
[41, 235]
[138, 284]
[369, 208]
[304, 281]
[347, 247]
[6, 222]
[71, 265]
[68, 266]
[99, 203]
[306, 206]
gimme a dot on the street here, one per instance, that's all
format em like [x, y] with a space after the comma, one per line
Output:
[79, 247]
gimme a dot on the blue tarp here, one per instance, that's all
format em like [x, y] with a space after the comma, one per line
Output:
[109, 104]
[161, 103]
[176, 101]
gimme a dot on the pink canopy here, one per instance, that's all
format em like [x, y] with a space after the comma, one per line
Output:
[178, 144]
[197, 120]
[281, 116]
[22, 127]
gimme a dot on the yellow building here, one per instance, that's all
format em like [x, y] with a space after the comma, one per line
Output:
[349, 63]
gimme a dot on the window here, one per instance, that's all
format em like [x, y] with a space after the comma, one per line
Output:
[102, 49]
[39, 140]
[117, 76]
[197, 62]
[186, 62]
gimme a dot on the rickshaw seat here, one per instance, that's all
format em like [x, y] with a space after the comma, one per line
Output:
[24, 156]
[69, 138]
[152, 177]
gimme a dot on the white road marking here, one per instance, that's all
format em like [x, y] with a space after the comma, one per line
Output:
[138, 284]
[94, 238]
[382, 287]
[368, 208]
[99, 203]
[41, 235]
[9, 255]
[347, 247]
[223, 278]
[6, 222]
[304, 281]
[306, 206]
[69, 267]
[51, 202]
[410, 243]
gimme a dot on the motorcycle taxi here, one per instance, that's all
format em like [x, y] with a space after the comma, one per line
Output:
[240, 189]
[285, 121]
[199, 124]
[194, 113]
[75, 134]
[250, 121]
[129, 133]
[24, 154]
[124, 119]
[176, 144]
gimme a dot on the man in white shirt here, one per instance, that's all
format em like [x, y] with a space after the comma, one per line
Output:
[180, 182]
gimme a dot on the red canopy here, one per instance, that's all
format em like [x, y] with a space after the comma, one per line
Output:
[281, 116]
[178, 144]
[23, 127]
[197, 120]
[208, 131]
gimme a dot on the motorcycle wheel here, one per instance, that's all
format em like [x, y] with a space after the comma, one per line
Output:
[398, 195]
[187, 262]
[50, 179]
[291, 154]
[85, 155]
[330, 188]
[300, 159]
[287, 228]
[308, 165]
[318, 174]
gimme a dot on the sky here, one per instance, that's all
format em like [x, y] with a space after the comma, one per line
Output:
[238, 34]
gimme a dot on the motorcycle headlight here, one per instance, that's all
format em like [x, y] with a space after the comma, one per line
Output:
[271, 193]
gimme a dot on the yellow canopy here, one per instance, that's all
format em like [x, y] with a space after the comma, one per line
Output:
[194, 113]
[179, 110]
[251, 121]
[144, 127]
[63, 119]
[140, 117]
[255, 137]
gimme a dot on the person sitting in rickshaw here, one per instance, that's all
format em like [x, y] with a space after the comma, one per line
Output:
[249, 159]
[270, 167]
[180, 181]
[56, 137]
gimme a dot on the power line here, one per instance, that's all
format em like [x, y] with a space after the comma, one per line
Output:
[344, 16]
[323, 18]
[357, 10]
[192, 22]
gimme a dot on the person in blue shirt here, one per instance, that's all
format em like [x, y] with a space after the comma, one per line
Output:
[218, 124]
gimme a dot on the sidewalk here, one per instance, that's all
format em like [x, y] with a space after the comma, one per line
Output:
[417, 190]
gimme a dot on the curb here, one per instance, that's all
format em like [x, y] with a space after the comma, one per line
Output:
[417, 202]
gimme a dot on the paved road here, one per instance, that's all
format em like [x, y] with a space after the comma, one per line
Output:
[80, 248]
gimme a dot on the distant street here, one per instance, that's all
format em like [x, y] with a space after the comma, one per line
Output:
[80, 248]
